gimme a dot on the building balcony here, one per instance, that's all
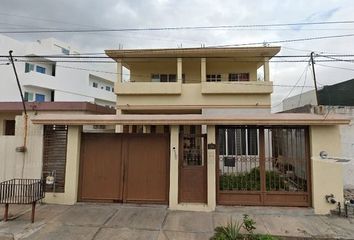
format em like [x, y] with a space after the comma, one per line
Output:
[148, 88]
[175, 88]
[246, 87]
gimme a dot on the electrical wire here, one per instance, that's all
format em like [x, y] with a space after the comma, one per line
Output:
[343, 68]
[224, 27]
[294, 86]
[303, 86]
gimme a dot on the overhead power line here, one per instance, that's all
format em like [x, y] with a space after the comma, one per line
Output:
[184, 27]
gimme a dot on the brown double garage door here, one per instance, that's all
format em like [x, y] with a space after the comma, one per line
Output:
[124, 168]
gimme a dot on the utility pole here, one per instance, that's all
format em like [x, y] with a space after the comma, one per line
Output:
[314, 76]
[18, 82]
[23, 149]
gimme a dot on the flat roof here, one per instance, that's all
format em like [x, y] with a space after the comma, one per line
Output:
[194, 52]
[192, 119]
[16, 107]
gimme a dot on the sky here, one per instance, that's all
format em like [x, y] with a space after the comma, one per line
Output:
[81, 14]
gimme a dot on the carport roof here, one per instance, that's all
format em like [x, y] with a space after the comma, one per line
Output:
[193, 119]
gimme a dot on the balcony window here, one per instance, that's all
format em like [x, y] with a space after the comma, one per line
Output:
[29, 67]
[40, 69]
[40, 97]
[163, 77]
[65, 51]
[213, 78]
[108, 88]
[95, 85]
[28, 97]
[239, 77]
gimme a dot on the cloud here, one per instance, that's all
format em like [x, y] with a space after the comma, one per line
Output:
[168, 13]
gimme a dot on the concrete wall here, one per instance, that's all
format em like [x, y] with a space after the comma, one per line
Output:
[17, 164]
[327, 176]
[299, 100]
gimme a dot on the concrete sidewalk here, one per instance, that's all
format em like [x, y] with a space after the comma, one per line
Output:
[117, 221]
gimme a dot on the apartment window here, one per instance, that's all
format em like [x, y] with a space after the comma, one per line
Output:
[238, 141]
[28, 97]
[40, 97]
[29, 67]
[112, 89]
[95, 85]
[40, 69]
[236, 77]
[213, 78]
[65, 51]
[9, 126]
[108, 88]
[163, 77]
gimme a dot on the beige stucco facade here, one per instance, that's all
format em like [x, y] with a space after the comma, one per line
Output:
[190, 87]
[327, 175]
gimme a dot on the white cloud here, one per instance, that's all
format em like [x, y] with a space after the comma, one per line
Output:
[136, 13]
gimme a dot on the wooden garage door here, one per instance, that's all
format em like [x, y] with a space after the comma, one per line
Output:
[147, 169]
[101, 167]
[124, 168]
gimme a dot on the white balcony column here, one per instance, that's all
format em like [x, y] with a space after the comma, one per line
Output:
[179, 70]
[266, 69]
[203, 69]
[119, 71]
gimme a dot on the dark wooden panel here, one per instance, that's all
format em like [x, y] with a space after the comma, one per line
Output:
[193, 184]
[147, 168]
[101, 167]
[286, 199]
[54, 155]
[192, 169]
[240, 198]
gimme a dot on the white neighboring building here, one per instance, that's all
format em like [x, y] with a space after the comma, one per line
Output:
[48, 80]
[306, 98]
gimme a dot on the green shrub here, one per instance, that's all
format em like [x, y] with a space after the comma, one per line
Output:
[251, 181]
[232, 231]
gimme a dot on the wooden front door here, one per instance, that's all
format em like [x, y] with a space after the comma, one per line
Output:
[192, 169]
[124, 167]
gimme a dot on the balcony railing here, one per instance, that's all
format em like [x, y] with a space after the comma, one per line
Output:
[246, 87]
[148, 88]
[175, 88]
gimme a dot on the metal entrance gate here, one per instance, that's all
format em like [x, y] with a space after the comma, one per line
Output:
[124, 167]
[263, 166]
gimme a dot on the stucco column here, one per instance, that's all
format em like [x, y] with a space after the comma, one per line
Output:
[119, 128]
[266, 69]
[327, 175]
[119, 71]
[203, 69]
[179, 70]
[70, 194]
[211, 179]
[174, 140]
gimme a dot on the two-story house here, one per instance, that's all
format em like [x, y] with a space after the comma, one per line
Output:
[194, 130]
